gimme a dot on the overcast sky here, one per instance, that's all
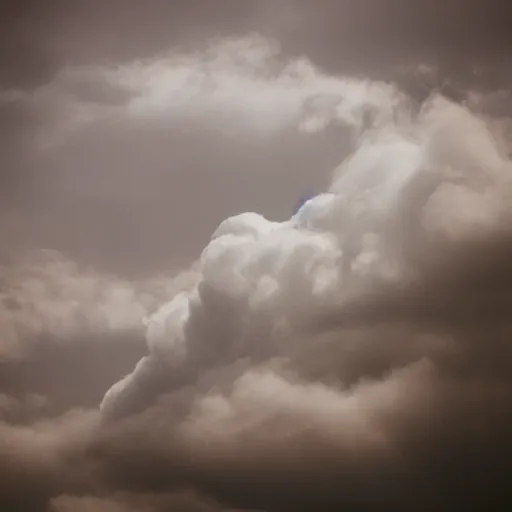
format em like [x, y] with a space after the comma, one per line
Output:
[129, 130]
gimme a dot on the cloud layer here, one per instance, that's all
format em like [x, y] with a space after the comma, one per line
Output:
[355, 355]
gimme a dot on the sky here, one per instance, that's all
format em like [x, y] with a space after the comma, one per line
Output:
[175, 336]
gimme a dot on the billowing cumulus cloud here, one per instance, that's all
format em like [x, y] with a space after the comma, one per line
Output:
[353, 356]
[377, 406]
[407, 193]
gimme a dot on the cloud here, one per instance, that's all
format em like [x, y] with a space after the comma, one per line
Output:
[37, 459]
[259, 277]
[352, 356]
[239, 87]
[380, 405]
[104, 139]
[281, 443]
[30, 404]
[126, 502]
[46, 295]
[185, 502]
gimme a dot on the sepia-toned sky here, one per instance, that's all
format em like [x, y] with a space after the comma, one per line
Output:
[129, 130]
[39, 42]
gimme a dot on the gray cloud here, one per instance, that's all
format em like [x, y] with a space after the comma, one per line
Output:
[355, 356]
[38, 459]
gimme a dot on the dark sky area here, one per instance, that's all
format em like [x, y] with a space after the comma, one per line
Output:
[38, 38]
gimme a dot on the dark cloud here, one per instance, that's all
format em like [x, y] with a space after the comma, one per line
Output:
[406, 413]
[38, 459]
